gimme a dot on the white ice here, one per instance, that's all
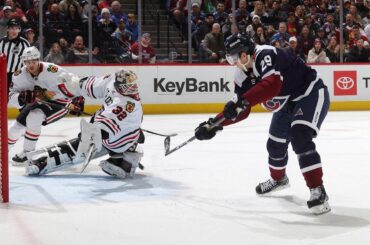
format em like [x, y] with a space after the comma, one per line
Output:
[201, 194]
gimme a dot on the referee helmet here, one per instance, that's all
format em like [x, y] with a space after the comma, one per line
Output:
[14, 22]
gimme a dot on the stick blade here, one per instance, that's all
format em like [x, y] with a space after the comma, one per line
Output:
[167, 142]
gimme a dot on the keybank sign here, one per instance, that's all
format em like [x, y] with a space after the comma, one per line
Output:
[190, 85]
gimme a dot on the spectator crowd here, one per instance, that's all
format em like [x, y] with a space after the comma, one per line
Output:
[65, 28]
[310, 27]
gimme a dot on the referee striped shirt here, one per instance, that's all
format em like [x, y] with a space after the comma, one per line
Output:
[13, 49]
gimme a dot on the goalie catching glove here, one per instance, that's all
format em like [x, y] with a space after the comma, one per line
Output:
[234, 107]
[207, 130]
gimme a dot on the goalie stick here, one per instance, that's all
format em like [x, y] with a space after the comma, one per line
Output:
[70, 107]
[167, 140]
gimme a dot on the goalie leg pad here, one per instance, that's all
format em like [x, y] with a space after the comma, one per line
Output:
[56, 157]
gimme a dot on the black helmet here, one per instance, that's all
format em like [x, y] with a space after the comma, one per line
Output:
[13, 22]
[236, 43]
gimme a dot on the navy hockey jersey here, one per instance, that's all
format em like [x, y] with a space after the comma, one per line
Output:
[298, 78]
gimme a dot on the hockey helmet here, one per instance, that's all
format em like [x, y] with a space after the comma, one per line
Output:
[125, 82]
[31, 53]
[13, 22]
[235, 45]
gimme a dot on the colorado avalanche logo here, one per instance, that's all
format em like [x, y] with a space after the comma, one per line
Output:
[275, 104]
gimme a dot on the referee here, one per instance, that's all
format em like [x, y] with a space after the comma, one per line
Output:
[13, 45]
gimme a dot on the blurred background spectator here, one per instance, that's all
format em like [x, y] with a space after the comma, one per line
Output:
[332, 50]
[55, 55]
[317, 54]
[213, 45]
[296, 51]
[132, 26]
[148, 52]
[115, 26]
[79, 53]
[31, 37]
[359, 53]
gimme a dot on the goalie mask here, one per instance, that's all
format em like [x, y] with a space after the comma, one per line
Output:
[125, 82]
[235, 45]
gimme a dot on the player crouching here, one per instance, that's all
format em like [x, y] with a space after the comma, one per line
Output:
[114, 129]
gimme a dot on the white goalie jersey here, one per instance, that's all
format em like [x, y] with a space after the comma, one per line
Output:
[120, 115]
[48, 78]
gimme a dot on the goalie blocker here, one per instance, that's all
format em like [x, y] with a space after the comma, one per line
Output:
[74, 152]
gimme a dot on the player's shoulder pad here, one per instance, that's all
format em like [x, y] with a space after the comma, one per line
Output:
[20, 74]
[51, 68]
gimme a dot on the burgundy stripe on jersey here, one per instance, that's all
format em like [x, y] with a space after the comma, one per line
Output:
[128, 138]
[62, 87]
[111, 124]
[56, 115]
[11, 141]
[63, 101]
[89, 87]
[30, 136]
[107, 125]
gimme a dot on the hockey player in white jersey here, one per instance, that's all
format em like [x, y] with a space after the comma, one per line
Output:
[34, 85]
[119, 121]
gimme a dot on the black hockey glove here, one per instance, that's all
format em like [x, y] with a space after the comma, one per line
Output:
[232, 108]
[207, 130]
[77, 106]
[26, 97]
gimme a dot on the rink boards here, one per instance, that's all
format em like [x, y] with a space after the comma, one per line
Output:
[175, 88]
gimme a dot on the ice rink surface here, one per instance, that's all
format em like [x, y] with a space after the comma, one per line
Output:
[202, 194]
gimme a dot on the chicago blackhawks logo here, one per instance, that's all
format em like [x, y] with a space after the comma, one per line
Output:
[130, 106]
[52, 69]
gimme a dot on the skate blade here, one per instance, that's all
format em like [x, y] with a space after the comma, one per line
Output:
[277, 189]
[321, 209]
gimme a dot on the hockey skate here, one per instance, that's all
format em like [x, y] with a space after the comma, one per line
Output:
[123, 165]
[272, 185]
[318, 202]
[117, 168]
[20, 160]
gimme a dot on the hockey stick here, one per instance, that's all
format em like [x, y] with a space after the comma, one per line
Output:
[167, 140]
[88, 157]
[70, 108]
[163, 135]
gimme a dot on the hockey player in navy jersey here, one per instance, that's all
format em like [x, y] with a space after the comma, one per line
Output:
[284, 84]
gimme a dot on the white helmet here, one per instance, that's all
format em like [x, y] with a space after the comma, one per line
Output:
[125, 82]
[31, 53]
